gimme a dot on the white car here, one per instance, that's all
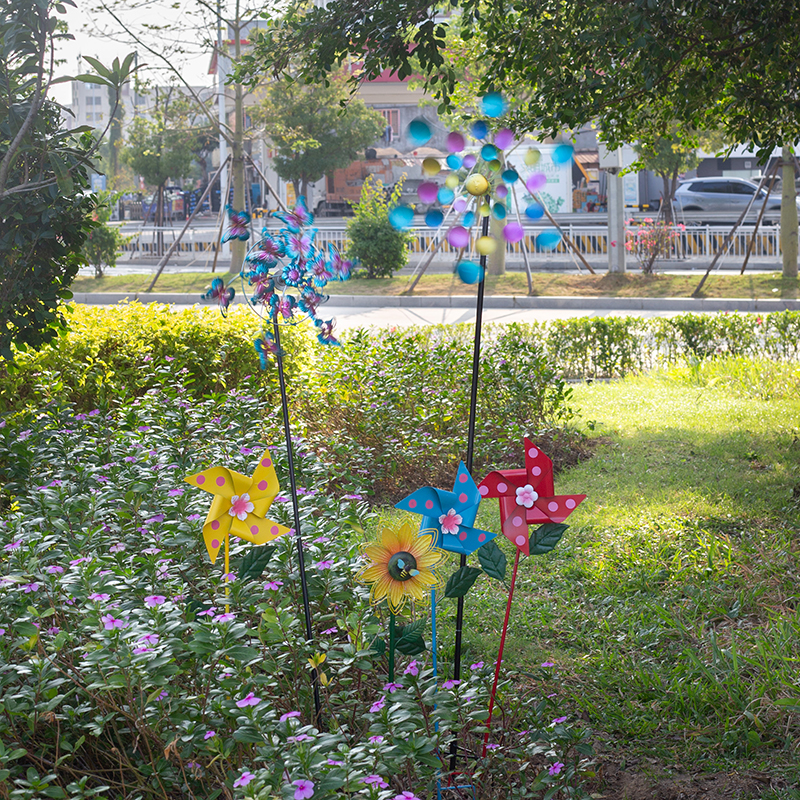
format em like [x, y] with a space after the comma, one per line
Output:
[719, 195]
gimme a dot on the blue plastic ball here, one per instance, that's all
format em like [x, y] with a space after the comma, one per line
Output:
[510, 176]
[548, 240]
[493, 104]
[470, 272]
[445, 196]
[488, 152]
[469, 219]
[534, 211]
[401, 217]
[419, 131]
[562, 154]
[480, 129]
[454, 161]
[434, 218]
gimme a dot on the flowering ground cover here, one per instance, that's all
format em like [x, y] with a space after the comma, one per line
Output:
[653, 651]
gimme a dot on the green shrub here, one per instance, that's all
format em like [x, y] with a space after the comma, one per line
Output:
[375, 245]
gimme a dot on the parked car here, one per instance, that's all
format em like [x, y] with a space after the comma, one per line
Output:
[720, 195]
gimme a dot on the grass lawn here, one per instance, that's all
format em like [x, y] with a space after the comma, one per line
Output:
[670, 607]
[761, 285]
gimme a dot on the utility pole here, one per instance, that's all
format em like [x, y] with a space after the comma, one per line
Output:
[612, 162]
[221, 114]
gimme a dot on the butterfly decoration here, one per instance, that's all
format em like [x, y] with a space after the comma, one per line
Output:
[239, 225]
[527, 497]
[452, 514]
[240, 505]
[221, 293]
[287, 272]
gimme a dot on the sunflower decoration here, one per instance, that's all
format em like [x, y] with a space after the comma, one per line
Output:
[401, 565]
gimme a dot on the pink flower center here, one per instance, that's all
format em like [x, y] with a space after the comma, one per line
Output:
[450, 521]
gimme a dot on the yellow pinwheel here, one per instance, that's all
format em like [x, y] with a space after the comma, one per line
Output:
[400, 565]
[239, 506]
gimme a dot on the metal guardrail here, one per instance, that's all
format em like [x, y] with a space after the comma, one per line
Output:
[591, 240]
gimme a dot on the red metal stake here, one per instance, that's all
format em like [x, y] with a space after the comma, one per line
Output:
[500, 653]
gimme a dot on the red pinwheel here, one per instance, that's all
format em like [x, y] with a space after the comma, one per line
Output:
[527, 496]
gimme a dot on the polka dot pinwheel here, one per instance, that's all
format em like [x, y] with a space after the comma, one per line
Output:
[527, 497]
[239, 506]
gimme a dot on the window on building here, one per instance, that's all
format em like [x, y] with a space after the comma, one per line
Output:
[392, 117]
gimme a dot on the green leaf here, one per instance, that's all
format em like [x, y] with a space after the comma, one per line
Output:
[460, 582]
[255, 562]
[546, 537]
[378, 646]
[790, 703]
[63, 178]
[493, 560]
[26, 629]
[410, 645]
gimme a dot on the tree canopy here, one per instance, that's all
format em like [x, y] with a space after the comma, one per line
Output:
[629, 65]
[315, 129]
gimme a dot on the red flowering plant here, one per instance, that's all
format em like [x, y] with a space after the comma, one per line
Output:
[651, 239]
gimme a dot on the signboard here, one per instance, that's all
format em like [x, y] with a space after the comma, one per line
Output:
[557, 194]
[630, 189]
[98, 183]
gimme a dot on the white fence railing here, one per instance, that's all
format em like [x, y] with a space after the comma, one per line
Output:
[591, 240]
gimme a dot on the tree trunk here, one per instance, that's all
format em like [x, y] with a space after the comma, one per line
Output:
[238, 248]
[496, 262]
[788, 216]
[666, 205]
[160, 220]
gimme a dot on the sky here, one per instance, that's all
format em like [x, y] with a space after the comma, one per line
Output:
[91, 31]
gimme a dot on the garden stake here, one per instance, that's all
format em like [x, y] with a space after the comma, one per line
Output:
[391, 646]
[500, 652]
[296, 510]
[473, 409]
[227, 572]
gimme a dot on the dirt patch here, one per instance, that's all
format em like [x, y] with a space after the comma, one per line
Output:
[616, 783]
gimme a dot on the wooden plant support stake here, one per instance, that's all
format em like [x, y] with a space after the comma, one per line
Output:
[750, 246]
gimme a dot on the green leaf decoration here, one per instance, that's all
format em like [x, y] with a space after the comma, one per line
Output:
[410, 645]
[255, 562]
[378, 646]
[493, 560]
[410, 629]
[460, 582]
[546, 537]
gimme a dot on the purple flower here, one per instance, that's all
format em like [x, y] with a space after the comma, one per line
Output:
[209, 612]
[175, 492]
[101, 478]
[24, 435]
[335, 763]
[449, 684]
[154, 600]
[304, 789]
[406, 796]
[559, 720]
[281, 499]
[301, 737]
[230, 577]
[243, 779]
[209, 734]
[392, 687]
[249, 700]
[116, 548]
[273, 586]
[99, 596]
[321, 565]
[229, 616]
[54, 569]
[375, 780]
[129, 459]
[141, 649]
[330, 630]
[76, 561]
[150, 551]
[477, 666]
[377, 705]
[13, 545]
[245, 451]
[150, 638]
[54, 631]
[2, 631]
[154, 518]
[556, 768]
[412, 669]
[492, 746]
[321, 540]
[375, 739]
[30, 587]
[289, 715]
[94, 412]
[547, 664]
[109, 622]
[353, 497]
[194, 517]
[143, 428]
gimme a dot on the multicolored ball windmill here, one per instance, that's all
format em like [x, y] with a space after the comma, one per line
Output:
[451, 514]
[527, 497]
[239, 506]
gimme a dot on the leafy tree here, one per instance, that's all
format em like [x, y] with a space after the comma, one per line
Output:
[104, 240]
[44, 177]
[374, 243]
[314, 128]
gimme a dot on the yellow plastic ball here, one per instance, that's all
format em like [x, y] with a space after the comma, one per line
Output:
[451, 181]
[495, 165]
[430, 166]
[477, 185]
[532, 156]
[485, 210]
[486, 245]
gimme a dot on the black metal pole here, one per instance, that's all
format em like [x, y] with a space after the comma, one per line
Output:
[473, 409]
[298, 538]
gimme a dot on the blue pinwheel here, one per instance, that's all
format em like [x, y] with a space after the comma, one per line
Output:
[452, 514]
